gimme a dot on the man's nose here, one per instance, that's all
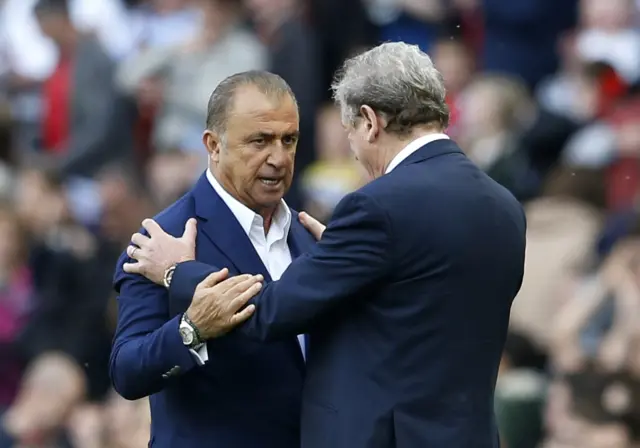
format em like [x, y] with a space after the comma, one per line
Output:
[278, 156]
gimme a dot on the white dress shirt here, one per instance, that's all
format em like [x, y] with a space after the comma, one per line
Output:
[413, 147]
[272, 248]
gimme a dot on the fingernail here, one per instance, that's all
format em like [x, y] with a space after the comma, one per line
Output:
[259, 277]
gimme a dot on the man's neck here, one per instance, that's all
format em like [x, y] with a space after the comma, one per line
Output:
[396, 145]
[266, 213]
[68, 44]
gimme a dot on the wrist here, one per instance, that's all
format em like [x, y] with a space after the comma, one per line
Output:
[189, 332]
[168, 276]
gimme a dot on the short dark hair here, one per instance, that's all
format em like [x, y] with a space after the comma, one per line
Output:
[224, 93]
[51, 6]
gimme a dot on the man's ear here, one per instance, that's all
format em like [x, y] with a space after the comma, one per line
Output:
[212, 142]
[371, 122]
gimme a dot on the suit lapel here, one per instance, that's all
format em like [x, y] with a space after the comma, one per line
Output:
[299, 240]
[222, 228]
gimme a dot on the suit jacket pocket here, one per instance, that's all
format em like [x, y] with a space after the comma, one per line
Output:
[320, 426]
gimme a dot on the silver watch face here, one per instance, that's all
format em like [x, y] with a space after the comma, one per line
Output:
[187, 335]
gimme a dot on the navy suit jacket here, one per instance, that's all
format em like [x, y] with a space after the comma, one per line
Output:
[248, 394]
[406, 299]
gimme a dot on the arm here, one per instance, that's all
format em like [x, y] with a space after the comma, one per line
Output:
[351, 258]
[185, 279]
[147, 344]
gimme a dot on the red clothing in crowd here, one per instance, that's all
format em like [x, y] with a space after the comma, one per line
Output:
[57, 96]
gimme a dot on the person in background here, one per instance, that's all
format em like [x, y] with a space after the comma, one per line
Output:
[63, 337]
[293, 54]
[16, 301]
[78, 98]
[515, 44]
[177, 79]
[455, 61]
[336, 173]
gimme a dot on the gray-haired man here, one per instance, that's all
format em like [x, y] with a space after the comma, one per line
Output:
[406, 296]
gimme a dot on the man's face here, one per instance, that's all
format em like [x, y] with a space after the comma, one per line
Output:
[363, 146]
[53, 25]
[254, 159]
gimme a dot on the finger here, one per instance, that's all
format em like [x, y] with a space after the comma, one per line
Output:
[152, 227]
[315, 227]
[242, 299]
[213, 279]
[243, 315]
[244, 285]
[139, 239]
[190, 230]
[132, 268]
[225, 286]
[133, 252]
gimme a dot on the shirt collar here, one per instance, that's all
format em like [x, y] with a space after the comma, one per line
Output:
[413, 147]
[246, 217]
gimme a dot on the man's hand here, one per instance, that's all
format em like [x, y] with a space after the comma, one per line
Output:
[315, 227]
[156, 253]
[216, 305]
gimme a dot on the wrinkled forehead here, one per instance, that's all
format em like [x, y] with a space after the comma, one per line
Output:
[253, 111]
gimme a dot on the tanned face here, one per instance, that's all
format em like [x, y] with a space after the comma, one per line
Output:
[253, 159]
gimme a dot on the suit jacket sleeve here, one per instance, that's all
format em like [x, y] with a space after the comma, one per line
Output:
[185, 279]
[351, 259]
[147, 343]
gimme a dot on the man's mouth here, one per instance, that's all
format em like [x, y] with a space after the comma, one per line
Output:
[270, 181]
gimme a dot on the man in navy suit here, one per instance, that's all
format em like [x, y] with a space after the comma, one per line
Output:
[406, 297]
[232, 392]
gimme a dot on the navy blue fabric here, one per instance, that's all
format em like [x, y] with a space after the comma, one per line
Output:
[248, 395]
[406, 300]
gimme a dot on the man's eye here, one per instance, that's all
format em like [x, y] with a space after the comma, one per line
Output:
[259, 141]
[289, 140]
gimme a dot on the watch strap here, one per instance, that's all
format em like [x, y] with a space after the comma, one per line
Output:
[197, 342]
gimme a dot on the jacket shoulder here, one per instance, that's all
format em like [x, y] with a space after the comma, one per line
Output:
[172, 220]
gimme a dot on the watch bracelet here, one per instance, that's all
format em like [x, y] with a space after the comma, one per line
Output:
[195, 329]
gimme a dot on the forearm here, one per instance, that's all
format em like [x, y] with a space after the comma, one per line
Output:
[185, 280]
[352, 257]
[140, 364]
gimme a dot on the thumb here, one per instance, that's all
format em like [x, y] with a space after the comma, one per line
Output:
[213, 279]
[311, 224]
[190, 230]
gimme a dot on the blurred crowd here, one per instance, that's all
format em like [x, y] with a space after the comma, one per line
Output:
[102, 107]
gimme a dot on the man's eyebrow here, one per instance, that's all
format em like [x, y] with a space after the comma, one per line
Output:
[262, 134]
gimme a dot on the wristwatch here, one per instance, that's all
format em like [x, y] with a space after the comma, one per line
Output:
[168, 276]
[189, 333]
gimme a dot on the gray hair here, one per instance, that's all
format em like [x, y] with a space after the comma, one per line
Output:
[222, 97]
[398, 81]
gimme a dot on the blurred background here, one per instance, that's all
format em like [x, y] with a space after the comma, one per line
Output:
[102, 106]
